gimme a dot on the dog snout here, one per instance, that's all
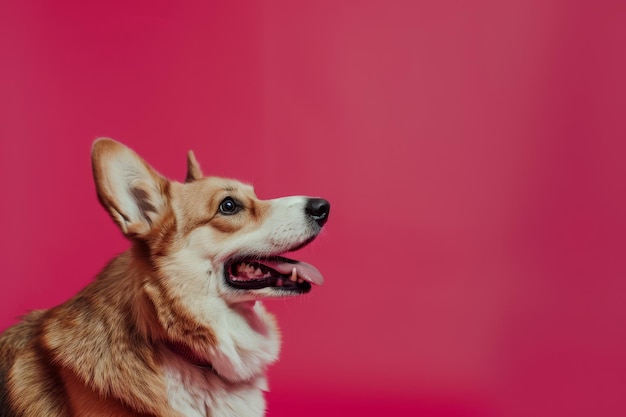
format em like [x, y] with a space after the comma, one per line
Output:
[317, 209]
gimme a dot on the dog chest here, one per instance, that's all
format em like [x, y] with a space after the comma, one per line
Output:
[198, 392]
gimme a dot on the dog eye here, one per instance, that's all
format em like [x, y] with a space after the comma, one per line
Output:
[229, 206]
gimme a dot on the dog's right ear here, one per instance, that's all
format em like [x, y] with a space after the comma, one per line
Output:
[194, 172]
[133, 193]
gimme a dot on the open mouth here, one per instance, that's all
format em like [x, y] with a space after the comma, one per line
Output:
[272, 272]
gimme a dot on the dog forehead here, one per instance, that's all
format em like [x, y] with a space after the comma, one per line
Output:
[229, 184]
[208, 188]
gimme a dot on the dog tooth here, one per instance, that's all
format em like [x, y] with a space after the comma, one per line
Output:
[294, 275]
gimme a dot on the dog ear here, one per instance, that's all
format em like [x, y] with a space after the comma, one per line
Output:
[133, 193]
[194, 172]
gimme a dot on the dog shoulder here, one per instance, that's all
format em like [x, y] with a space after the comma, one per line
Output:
[29, 385]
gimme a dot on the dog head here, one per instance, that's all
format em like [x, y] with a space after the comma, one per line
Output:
[213, 234]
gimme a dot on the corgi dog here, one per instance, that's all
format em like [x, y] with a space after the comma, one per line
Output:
[174, 326]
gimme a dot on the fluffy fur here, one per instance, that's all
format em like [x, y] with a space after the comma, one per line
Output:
[109, 351]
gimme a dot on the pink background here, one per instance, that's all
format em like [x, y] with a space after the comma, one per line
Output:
[473, 151]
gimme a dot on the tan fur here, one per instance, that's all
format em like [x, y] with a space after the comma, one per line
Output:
[100, 353]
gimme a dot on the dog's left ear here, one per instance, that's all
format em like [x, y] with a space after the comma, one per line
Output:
[133, 193]
[194, 172]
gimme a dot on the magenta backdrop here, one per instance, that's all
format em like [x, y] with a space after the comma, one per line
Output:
[474, 154]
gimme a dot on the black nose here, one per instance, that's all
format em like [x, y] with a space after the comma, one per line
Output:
[318, 209]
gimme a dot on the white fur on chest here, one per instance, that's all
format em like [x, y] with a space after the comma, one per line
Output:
[199, 392]
[247, 342]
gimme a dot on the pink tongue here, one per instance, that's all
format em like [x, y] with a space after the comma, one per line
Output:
[304, 270]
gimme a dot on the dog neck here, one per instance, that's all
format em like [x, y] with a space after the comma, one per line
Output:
[185, 352]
